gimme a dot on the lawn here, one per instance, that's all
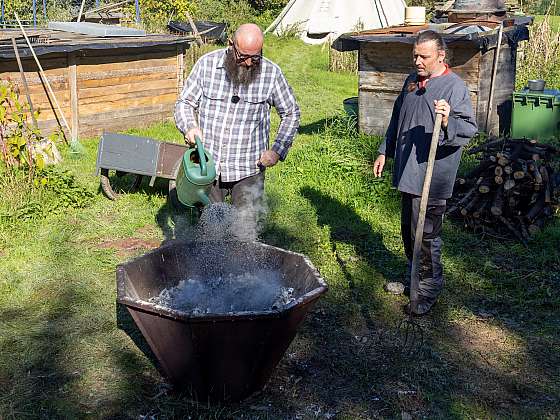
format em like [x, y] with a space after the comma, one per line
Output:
[489, 348]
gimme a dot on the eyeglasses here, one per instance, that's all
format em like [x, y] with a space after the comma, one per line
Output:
[240, 58]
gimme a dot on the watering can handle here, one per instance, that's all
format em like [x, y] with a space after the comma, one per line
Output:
[201, 156]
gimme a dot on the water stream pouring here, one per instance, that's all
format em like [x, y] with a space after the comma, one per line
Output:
[196, 176]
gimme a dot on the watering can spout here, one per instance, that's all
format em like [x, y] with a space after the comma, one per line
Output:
[196, 176]
[203, 197]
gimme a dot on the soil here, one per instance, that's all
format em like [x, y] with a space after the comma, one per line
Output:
[129, 246]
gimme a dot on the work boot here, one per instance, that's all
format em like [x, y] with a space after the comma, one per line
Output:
[423, 308]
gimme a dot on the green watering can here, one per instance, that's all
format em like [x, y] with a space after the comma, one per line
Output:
[195, 177]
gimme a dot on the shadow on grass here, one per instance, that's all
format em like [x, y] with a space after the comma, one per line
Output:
[316, 127]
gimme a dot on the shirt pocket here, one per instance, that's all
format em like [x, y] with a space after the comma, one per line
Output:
[255, 107]
[213, 103]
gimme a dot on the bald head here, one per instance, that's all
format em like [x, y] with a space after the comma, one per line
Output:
[249, 39]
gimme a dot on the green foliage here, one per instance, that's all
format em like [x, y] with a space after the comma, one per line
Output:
[155, 14]
[17, 135]
[21, 7]
[541, 7]
[540, 58]
[52, 191]
[233, 12]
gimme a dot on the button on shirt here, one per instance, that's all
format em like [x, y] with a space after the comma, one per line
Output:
[236, 134]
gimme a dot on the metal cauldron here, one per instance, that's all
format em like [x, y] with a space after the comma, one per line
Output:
[223, 357]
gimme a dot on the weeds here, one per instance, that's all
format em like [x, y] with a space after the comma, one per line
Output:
[541, 56]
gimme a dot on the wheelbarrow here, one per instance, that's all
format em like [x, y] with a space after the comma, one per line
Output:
[123, 161]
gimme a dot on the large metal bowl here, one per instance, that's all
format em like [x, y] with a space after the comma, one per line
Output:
[222, 357]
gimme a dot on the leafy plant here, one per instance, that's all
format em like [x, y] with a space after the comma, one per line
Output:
[16, 135]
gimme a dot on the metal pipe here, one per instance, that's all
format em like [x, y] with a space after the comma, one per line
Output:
[25, 85]
[81, 11]
[45, 10]
[137, 6]
[493, 79]
[3, 22]
[34, 13]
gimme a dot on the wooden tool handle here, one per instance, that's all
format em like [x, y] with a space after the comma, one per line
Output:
[414, 277]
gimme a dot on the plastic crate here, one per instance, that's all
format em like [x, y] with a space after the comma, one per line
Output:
[536, 115]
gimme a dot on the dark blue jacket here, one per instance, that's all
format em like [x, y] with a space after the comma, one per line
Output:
[409, 134]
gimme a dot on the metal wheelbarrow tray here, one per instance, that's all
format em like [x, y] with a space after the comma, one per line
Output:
[136, 157]
[224, 357]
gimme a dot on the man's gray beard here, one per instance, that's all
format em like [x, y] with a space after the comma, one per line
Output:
[240, 75]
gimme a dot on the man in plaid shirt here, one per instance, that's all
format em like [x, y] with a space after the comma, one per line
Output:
[226, 102]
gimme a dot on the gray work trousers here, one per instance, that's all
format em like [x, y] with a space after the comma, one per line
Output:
[430, 267]
[245, 192]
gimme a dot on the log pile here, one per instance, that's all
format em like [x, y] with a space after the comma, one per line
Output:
[515, 188]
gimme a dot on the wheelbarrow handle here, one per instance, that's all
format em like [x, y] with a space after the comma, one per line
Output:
[415, 277]
[201, 156]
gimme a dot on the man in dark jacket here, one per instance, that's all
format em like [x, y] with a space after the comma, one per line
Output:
[432, 89]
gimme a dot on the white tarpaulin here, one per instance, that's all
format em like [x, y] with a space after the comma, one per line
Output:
[318, 21]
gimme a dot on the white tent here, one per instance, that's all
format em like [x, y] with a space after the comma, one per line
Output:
[318, 21]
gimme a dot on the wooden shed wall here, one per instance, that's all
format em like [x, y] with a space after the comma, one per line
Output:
[114, 89]
[383, 68]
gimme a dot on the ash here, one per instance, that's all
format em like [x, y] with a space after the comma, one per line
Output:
[225, 278]
[257, 291]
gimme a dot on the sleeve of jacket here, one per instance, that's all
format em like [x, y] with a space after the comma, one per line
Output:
[387, 147]
[187, 105]
[461, 126]
[283, 99]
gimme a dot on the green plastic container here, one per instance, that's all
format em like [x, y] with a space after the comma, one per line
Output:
[196, 175]
[536, 115]
[351, 106]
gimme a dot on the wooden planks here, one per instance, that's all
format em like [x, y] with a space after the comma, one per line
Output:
[105, 89]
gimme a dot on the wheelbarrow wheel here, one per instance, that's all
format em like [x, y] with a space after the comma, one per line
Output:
[123, 182]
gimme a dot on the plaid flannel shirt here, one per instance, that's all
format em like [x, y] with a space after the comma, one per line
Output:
[236, 134]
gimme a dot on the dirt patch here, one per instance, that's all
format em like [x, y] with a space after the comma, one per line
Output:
[149, 231]
[129, 246]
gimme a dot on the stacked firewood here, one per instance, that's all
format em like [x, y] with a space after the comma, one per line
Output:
[514, 188]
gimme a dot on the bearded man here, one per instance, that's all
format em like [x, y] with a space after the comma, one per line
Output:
[431, 89]
[226, 102]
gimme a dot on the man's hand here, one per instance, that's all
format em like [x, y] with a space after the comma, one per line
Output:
[378, 166]
[443, 108]
[191, 134]
[268, 158]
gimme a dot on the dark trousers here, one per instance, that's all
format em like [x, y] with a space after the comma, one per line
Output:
[430, 268]
[244, 193]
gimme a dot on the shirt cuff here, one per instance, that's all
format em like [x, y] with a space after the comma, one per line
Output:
[281, 149]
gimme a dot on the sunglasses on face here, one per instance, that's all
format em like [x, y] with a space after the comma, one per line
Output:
[240, 58]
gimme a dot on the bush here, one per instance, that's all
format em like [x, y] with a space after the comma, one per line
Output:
[52, 191]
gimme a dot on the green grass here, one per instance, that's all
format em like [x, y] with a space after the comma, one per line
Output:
[490, 343]
[554, 21]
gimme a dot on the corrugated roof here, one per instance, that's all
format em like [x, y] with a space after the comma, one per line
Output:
[407, 34]
[50, 41]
